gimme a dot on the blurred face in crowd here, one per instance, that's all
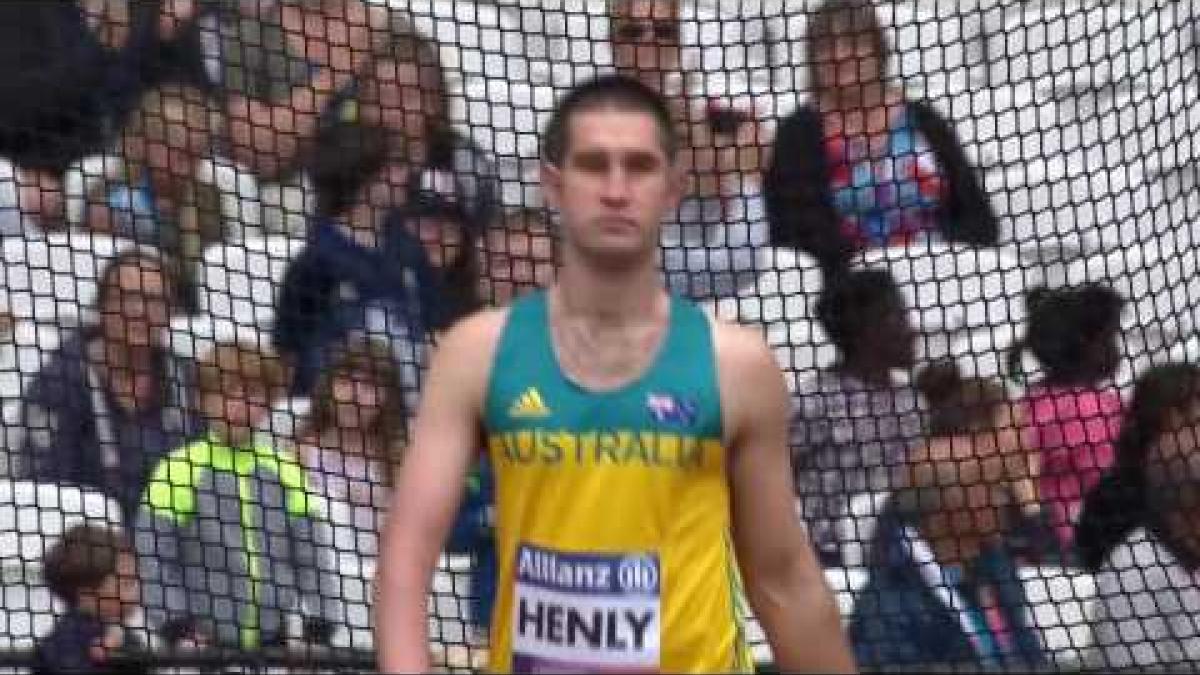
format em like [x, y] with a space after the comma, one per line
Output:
[135, 307]
[174, 134]
[442, 238]
[968, 484]
[236, 409]
[615, 185]
[398, 99]
[357, 400]
[118, 594]
[645, 37]
[889, 340]
[516, 260]
[846, 66]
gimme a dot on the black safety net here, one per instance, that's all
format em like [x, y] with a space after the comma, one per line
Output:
[233, 232]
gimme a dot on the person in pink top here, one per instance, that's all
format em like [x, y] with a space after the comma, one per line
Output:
[1072, 414]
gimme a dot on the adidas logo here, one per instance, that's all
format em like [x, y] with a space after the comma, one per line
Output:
[529, 404]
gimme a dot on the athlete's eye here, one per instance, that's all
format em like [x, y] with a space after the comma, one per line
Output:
[641, 163]
[592, 162]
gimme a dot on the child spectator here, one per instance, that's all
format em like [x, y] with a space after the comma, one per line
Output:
[157, 197]
[1138, 531]
[354, 441]
[92, 570]
[1073, 413]
[516, 256]
[230, 538]
[852, 424]
[351, 447]
[942, 589]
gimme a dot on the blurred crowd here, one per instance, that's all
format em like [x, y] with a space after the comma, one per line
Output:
[230, 529]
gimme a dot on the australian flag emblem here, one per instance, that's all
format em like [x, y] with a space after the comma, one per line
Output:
[669, 409]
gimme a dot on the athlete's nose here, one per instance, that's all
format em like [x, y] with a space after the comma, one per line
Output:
[616, 189]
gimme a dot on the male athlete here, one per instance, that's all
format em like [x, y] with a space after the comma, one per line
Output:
[639, 448]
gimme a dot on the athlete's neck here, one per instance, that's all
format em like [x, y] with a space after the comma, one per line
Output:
[608, 296]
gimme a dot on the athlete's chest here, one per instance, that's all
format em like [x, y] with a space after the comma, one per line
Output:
[657, 427]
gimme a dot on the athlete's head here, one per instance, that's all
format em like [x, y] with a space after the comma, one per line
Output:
[866, 318]
[608, 167]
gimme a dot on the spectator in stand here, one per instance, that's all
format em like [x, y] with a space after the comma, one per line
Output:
[1073, 412]
[351, 446]
[722, 142]
[157, 198]
[710, 247]
[112, 400]
[942, 588]
[1138, 531]
[516, 256]
[353, 262]
[355, 439]
[93, 571]
[278, 66]
[854, 423]
[230, 537]
[397, 243]
[861, 167]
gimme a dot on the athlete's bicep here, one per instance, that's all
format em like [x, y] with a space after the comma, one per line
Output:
[445, 439]
[766, 530]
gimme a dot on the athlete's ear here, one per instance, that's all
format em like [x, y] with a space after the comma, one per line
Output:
[551, 177]
[677, 177]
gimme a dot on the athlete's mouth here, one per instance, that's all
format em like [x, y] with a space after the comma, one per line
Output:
[617, 224]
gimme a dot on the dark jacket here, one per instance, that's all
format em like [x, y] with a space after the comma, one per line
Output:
[900, 620]
[473, 533]
[800, 206]
[329, 287]
[66, 424]
[63, 90]
[67, 648]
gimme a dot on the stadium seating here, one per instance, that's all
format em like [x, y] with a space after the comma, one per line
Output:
[1161, 286]
[951, 287]
[53, 280]
[239, 282]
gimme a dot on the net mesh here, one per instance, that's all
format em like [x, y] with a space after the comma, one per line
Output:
[281, 204]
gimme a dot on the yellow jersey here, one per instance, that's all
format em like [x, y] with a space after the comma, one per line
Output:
[613, 527]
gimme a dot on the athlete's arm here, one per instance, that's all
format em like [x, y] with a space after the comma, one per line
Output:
[428, 489]
[784, 583]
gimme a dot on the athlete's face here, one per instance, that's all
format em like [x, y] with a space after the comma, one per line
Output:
[614, 186]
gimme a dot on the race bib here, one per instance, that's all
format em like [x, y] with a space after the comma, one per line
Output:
[586, 612]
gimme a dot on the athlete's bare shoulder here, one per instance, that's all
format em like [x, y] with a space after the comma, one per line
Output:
[739, 348]
[470, 344]
[751, 383]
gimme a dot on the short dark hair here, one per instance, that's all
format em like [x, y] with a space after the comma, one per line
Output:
[345, 157]
[1121, 502]
[852, 302]
[617, 92]
[1070, 331]
[81, 561]
[959, 405]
